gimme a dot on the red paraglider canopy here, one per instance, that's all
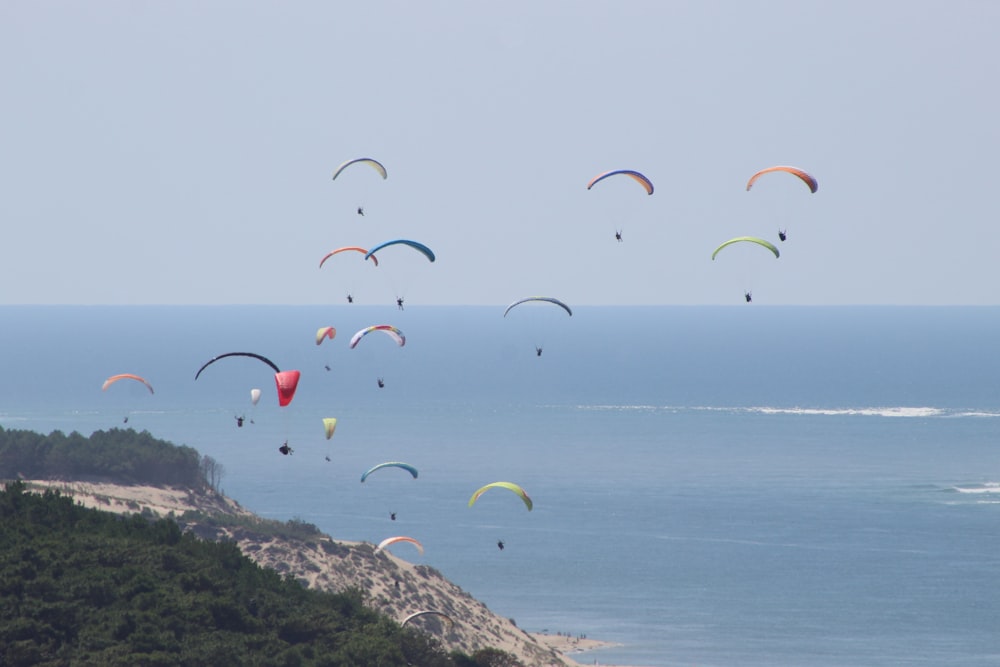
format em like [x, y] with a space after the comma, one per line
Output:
[286, 381]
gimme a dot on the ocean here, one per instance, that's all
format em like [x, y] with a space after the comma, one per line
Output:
[745, 485]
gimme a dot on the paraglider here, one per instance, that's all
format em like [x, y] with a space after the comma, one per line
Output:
[361, 211]
[618, 235]
[254, 396]
[748, 296]
[239, 421]
[375, 164]
[542, 299]
[387, 329]
[419, 247]
[125, 376]
[395, 540]
[751, 239]
[399, 302]
[539, 298]
[782, 234]
[346, 249]
[500, 545]
[285, 449]
[428, 612]
[392, 516]
[503, 485]
[381, 383]
[285, 381]
[635, 175]
[325, 332]
[805, 177]
[329, 426]
[390, 464]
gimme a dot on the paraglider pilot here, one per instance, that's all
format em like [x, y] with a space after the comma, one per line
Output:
[748, 296]
[618, 235]
[392, 516]
[381, 383]
[350, 299]
[538, 351]
[399, 302]
[239, 422]
[782, 234]
[361, 211]
[500, 545]
[285, 449]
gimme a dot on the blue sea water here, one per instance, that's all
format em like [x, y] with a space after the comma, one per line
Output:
[812, 486]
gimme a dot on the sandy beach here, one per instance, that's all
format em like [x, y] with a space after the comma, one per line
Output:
[570, 646]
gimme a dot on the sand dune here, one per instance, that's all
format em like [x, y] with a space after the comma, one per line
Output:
[390, 584]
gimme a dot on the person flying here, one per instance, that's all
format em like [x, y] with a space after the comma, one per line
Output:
[538, 351]
[782, 234]
[500, 545]
[285, 449]
[748, 296]
[399, 302]
[350, 299]
[618, 235]
[392, 515]
[381, 383]
[239, 422]
[361, 211]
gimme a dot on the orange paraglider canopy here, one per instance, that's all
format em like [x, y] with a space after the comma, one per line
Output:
[806, 178]
[125, 376]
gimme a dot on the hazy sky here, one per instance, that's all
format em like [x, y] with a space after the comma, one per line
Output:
[182, 152]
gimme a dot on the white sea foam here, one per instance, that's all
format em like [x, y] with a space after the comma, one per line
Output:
[988, 487]
[898, 411]
[902, 411]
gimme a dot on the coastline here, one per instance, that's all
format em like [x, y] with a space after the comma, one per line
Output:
[322, 565]
[570, 647]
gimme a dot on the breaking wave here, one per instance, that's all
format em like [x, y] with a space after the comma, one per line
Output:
[875, 411]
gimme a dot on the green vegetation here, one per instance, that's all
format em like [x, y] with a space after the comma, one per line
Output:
[121, 455]
[84, 587]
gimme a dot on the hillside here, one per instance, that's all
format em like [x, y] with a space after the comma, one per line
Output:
[127, 472]
[389, 584]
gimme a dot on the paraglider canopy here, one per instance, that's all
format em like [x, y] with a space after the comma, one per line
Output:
[400, 538]
[546, 299]
[285, 381]
[503, 485]
[639, 178]
[387, 329]
[390, 464]
[125, 376]
[329, 426]
[325, 332]
[806, 178]
[346, 249]
[750, 239]
[374, 164]
[419, 247]
[428, 612]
